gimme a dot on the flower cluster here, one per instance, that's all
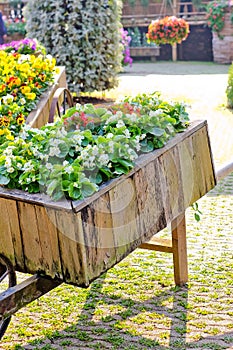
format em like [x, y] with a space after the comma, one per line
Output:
[125, 41]
[216, 15]
[23, 78]
[88, 146]
[25, 46]
[168, 30]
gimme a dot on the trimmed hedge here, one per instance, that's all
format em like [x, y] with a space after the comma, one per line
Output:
[83, 36]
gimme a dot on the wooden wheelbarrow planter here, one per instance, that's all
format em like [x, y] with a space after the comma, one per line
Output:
[40, 116]
[75, 242]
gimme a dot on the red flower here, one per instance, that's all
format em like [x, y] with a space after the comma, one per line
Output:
[168, 30]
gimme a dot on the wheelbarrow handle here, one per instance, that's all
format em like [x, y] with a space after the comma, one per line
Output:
[224, 171]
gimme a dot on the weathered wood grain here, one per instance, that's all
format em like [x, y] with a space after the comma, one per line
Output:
[72, 248]
[99, 237]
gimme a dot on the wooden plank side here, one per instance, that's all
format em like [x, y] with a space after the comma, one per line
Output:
[29, 226]
[171, 183]
[196, 164]
[72, 248]
[48, 236]
[6, 239]
[124, 210]
[99, 238]
[151, 211]
[13, 220]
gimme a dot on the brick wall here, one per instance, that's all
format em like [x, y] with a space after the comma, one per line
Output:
[223, 48]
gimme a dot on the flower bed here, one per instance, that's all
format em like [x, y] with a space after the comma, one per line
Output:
[88, 146]
[23, 79]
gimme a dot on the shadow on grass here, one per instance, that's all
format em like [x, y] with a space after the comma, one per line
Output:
[108, 333]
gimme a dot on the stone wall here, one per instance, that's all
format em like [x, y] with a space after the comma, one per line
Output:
[223, 48]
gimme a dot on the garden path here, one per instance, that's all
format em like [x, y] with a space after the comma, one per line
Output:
[200, 85]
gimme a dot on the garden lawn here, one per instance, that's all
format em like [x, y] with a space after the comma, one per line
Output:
[135, 305]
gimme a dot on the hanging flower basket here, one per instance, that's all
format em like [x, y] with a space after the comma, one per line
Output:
[168, 30]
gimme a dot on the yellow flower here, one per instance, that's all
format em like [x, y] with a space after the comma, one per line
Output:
[10, 137]
[25, 89]
[20, 119]
[30, 95]
[2, 87]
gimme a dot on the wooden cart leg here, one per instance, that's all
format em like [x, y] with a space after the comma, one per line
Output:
[177, 246]
[179, 249]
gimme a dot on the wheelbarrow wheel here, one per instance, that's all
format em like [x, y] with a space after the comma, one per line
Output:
[7, 280]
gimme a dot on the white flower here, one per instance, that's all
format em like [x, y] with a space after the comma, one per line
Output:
[55, 142]
[22, 101]
[142, 137]
[119, 114]
[7, 161]
[103, 159]
[95, 150]
[23, 58]
[19, 165]
[53, 151]
[28, 166]
[77, 138]
[69, 169]
[120, 123]
[132, 117]
[49, 166]
[156, 113]
[8, 99]
[10, 170]
[112, 118]
[111, 146]
[127, 133]
[61, 132]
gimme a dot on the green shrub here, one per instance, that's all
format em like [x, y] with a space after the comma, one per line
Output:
[83, 36]
[229, 90]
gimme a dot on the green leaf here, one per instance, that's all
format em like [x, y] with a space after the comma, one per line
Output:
[64, 150]
[52, 186]
[88, 189]
[4, 180]
[120, 170]
[65, 185]
[155, 131]
[74, 192]
[100, 111]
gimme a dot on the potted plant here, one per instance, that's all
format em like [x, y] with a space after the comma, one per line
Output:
[168, 30]
[139, 46]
